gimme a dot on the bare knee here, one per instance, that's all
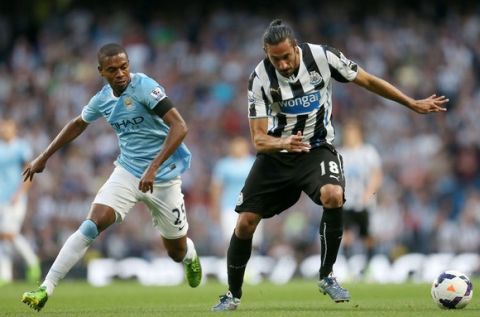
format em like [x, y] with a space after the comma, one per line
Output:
[331, 196]
[102, 215]
[246, 224]
[176, 248]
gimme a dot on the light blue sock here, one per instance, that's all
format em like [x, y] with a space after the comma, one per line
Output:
[89, 229]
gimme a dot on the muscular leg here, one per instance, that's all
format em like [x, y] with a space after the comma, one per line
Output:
[103, 216]
[239, 250]
[176, 248]
[99, 218]
[331, 226]
[181, 249]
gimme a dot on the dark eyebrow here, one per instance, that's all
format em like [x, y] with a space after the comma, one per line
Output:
[281, 56]
[121, 66]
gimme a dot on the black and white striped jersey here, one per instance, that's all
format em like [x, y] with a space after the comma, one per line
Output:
[302, 102]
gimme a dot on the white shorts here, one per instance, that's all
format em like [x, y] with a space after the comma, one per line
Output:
[166, 203]
[12, 216]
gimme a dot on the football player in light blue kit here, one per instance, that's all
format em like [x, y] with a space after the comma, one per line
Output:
[14, 153]
[228, 177]
[152, 157]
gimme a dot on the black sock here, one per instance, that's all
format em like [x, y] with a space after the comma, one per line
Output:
[370, 253]
[331, 230]
[238, 254]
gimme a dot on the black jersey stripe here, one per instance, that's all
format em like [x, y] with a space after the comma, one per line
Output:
[297, 89]
[266, 102]
[252, 112]
[319, 132]
[310, 63]
[250, 80]
[300, 124]
[281, 122]
[272, 77]
[337, 76]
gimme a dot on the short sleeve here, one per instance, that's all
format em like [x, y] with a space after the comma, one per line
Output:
[151, 92]
[91, 111]
[341, 68]
[257, 106]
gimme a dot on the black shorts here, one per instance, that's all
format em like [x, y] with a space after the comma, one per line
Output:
[359, 219]
[276, 180]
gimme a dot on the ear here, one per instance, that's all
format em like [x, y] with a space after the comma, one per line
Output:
[99, 68]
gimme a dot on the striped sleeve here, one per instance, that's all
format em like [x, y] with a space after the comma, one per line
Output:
[257, 101]
[341, 68]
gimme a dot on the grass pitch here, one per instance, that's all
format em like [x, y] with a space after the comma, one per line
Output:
[297, 298]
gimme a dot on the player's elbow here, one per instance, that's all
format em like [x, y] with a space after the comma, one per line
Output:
[184, 128]
[181, 129]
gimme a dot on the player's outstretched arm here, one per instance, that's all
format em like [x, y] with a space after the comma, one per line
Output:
[69, 132]
[383, 88]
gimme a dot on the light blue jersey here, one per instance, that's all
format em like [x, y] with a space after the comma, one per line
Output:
[140, 131]
[13, 156]
[231, 173]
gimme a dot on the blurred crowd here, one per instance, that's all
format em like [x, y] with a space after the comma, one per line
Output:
[430, 198]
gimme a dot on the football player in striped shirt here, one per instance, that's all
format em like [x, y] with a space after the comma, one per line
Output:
[363, 178]
[152, 158]
[289, 111]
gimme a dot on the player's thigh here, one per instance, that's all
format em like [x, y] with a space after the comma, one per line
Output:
[12, 216]
[167, 207]
[120, 192]
[322, 166]
[270, 187]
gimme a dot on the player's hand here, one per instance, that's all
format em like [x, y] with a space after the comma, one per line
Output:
[294, 143]
[433, 103]
[35, 166]
[147, 181]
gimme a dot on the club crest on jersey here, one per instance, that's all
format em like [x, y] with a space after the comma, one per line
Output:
[128, 102]
[157, 93]
[315, 78]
